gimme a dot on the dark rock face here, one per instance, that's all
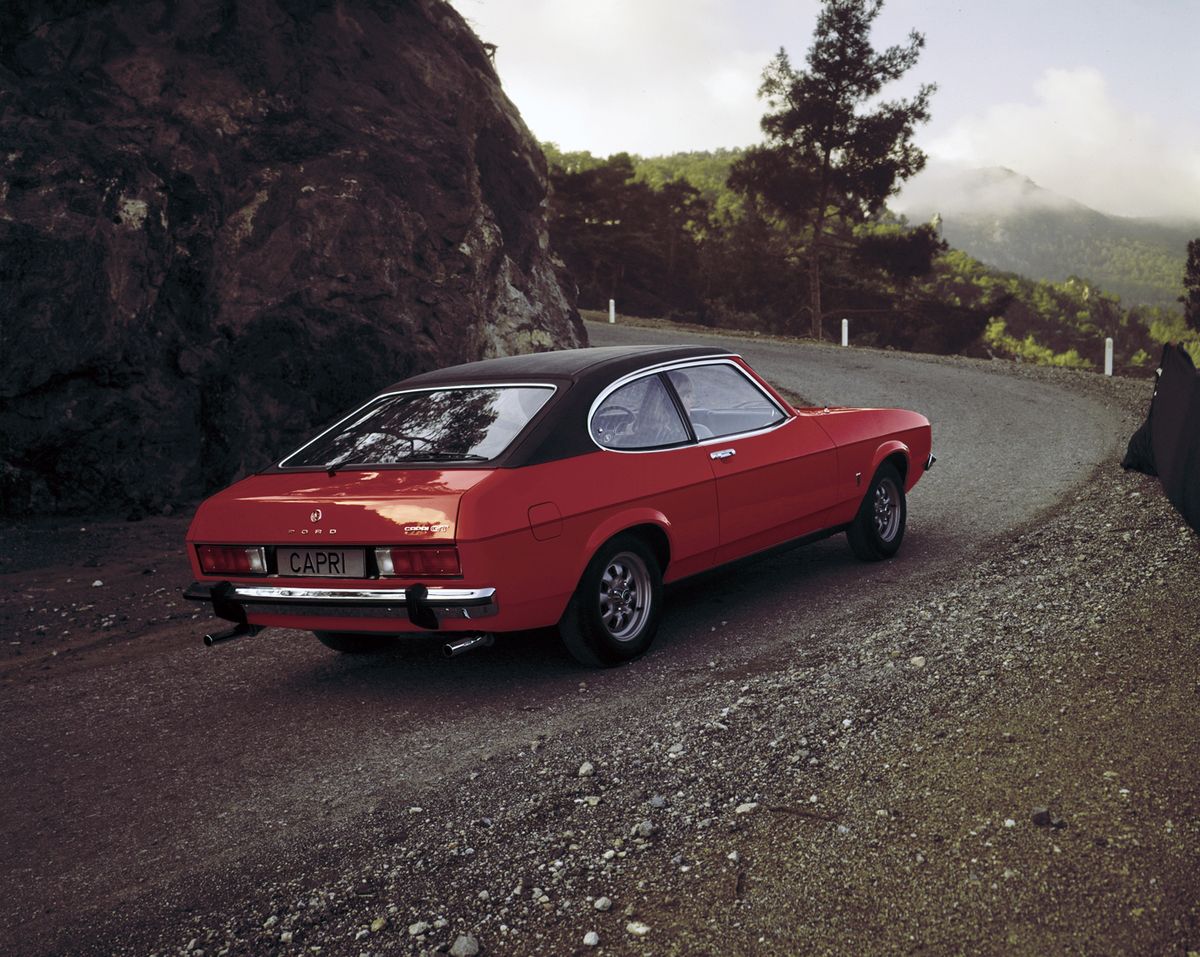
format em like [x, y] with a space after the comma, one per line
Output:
[223, 222]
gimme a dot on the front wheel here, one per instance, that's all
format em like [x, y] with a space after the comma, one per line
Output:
[349, 643]
[878, 528]
[614, 613]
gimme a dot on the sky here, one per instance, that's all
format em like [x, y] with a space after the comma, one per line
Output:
[1093, 99]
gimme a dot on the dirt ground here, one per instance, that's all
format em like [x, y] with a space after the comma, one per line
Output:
[1007, 761]
[85, 592]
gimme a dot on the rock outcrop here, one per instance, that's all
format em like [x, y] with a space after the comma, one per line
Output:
[222, 222]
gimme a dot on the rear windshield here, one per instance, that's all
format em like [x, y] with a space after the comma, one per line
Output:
[445, 425]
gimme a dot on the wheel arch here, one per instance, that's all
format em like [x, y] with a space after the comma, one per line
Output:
[648, 524]
[896, 454]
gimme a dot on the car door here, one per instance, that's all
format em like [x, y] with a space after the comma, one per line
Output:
[654, 463]
[774, 469]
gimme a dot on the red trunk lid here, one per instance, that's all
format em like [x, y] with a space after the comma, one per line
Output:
[376, 507]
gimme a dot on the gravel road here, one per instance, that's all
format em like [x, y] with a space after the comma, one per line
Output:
[817, 756]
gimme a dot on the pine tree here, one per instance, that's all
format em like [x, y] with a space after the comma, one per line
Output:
[829, 160]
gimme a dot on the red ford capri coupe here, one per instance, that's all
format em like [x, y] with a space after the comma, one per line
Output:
[561, 488]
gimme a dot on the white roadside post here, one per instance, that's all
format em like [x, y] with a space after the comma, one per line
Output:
[612, 310]
[1108, 353]
[845, 332]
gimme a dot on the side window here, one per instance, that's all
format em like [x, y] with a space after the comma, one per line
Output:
[720, 400]
[639, 415]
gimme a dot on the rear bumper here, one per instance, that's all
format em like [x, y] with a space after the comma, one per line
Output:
[424, 607]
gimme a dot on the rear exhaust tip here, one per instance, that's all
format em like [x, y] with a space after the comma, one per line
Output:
[460, 646]
[235, 632]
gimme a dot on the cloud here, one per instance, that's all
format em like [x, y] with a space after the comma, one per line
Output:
[626, 75]
[1078, 140]
[949, 188]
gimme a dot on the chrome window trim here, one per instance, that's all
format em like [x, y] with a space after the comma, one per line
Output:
[726, 359]
[437, 388]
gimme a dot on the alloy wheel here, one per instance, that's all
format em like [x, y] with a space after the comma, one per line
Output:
[624, 596]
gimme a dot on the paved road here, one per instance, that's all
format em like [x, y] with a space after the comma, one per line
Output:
[168, 784]
[1007, 447]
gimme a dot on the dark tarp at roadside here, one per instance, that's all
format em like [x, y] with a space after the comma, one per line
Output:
[1168, 442]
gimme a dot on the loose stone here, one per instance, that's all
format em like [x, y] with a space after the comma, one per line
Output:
[642, 829]
[464, 946]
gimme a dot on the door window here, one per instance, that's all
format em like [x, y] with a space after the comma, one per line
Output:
[720, 400]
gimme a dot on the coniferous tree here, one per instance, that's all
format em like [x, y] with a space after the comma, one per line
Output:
[829, 161]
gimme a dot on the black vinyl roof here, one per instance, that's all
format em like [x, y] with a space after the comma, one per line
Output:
[607, 363]
[560, 429]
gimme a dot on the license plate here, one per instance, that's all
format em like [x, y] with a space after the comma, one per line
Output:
[322, 562]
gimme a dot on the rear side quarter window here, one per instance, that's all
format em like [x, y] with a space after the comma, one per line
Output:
[639, 415]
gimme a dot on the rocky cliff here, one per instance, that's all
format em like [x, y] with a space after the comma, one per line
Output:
[222, 222]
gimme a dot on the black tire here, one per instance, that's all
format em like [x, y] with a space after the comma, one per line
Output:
[613, 615]
[878, 528]
[349, 643]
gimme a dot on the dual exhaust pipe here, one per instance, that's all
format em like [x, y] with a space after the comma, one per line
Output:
[451, 649]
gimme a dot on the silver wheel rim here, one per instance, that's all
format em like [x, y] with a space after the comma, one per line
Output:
[624, 596]
[887, 510]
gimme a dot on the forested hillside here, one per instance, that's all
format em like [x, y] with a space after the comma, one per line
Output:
[668, 237]
[1011, 223]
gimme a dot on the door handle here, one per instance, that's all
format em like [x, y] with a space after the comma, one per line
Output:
[723, 454]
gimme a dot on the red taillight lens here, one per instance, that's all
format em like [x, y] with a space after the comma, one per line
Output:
[231, 560]
[418, 562]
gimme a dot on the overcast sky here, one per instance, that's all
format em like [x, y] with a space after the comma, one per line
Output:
[1095, 99]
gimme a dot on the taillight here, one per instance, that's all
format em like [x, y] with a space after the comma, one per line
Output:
[231, 560]
[422, 562]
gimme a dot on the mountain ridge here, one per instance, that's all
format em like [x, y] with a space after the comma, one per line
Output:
[1006, 220]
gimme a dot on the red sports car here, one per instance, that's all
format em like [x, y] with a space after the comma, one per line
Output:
[562, 488]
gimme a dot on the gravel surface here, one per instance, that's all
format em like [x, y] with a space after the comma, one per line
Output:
[1001, 760]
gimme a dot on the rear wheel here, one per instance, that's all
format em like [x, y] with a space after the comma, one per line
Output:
[614, 613]
[878, 528]
[350, 643]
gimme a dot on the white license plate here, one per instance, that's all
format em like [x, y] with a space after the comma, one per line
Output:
[321, 562]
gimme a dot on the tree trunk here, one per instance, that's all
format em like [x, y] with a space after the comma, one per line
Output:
[814, 272]
[814, 250]
[814, 291]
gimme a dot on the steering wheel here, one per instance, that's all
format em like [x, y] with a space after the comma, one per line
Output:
[613, 418]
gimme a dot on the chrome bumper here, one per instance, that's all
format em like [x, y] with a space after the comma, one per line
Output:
[423, 606]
